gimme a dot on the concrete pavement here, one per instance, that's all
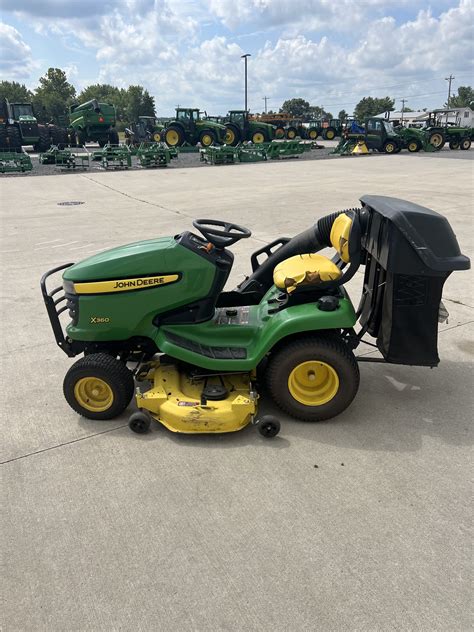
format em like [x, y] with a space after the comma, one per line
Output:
[106, 530]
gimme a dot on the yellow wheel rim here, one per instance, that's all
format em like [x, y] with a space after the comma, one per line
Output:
[291, 134]
[206, 140]
[93, 394]
[229, 137]
[313, 383]
[313, 134]
[436, 140]
[258, 137]
[390, 148]
[172, 137]
[412, 146]
[156, 137]
[330, 135]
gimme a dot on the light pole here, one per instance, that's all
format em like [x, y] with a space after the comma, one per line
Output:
[266, 99]
[450, 78]
[244, 57]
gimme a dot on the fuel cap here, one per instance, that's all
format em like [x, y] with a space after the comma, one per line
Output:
[328, 303]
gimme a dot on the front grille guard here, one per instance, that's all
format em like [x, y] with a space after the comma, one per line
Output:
[53, 301]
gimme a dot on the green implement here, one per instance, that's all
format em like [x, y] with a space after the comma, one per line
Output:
[279, 149]
[113, 157]
[14, 161]
[225, 155]
[65, 158]
[151, 155]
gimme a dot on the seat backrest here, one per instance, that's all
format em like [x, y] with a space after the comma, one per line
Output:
[340, 236]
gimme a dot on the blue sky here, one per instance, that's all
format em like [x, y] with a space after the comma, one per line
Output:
[330, 52]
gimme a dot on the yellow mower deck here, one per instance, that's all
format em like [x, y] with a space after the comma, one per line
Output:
[175, 401]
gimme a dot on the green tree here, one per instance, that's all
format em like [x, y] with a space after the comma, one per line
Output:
[53, 95]
[318, 112]
[370, 106]
[296, 107]
[343, 115]
[463, 99]
[105, 93]
[15, 92]
[139, 102]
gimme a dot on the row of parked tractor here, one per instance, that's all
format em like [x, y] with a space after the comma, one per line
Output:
[190, 127]
[95, 121]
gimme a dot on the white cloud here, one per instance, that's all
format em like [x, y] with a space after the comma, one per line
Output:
[171, 47]
[16, 61]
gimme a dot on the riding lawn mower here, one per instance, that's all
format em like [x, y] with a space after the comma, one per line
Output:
[152, 318]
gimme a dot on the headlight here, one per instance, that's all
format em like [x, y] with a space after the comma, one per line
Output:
[68, 287]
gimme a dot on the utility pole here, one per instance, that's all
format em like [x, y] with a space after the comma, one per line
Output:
[244, 57]
[266, 99]
[450, 78]
[403, 108]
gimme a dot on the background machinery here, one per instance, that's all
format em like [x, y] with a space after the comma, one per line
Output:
[241, 127]
[93, 121]
[188, 127]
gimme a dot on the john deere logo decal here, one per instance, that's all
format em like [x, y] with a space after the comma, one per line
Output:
[124, 285]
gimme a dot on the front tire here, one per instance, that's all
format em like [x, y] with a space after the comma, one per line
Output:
[414, 146]
[329, 133]
[259, 137]
[207, 138]
[313, 379]
[291, 133]
[390, 147]
[465, 144]
[98, 386]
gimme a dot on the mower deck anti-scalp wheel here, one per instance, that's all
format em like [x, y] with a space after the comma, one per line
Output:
[98, 386]
[139, 422]
[313, 378]
[268, 426]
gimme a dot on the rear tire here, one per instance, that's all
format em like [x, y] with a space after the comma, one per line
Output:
[314, 378]
[232, 136]
[3, 139]
[436, 140]
[113, 137]
[59, 136]
[174, 136]
[98, 386]
[280, 132]
[13, 138]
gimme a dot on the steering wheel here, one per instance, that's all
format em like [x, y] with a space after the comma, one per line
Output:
[225, 235]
